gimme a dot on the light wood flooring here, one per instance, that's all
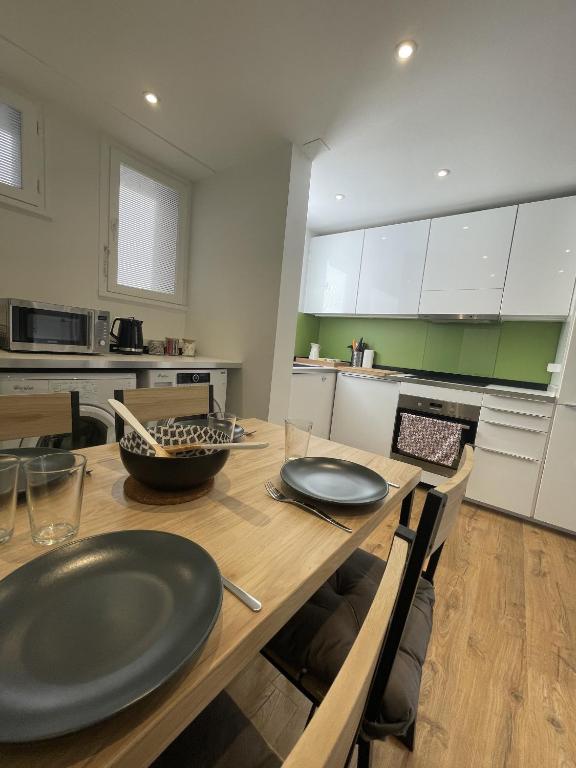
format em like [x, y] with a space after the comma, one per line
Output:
[499, 684]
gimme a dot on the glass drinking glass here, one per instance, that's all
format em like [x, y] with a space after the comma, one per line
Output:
[224, 422]
[8, 491]
[54, 486]
[297, 437]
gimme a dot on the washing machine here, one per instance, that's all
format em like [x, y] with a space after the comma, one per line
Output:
[96, 416]
[167, 377]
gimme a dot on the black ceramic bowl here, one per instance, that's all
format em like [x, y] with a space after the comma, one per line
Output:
[177, 473]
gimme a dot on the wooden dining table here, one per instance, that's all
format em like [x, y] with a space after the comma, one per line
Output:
[277, 552]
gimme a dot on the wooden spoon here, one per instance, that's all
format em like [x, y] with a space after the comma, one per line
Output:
[130, 419]
[218, 446]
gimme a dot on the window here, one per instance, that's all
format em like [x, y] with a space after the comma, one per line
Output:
[146, 233]
[21, 160]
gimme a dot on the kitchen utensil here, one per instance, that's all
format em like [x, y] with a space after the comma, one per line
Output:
[242, 595]
[24, 455]
[279, 496]
[172, 346]
[172, 449]
[296, 438]
[93, 626]
[223, 421]
[54, 488]
[334, 481]
[9, 466]
[189, 347]
[129, 336]
[183, 471]
[139, 428]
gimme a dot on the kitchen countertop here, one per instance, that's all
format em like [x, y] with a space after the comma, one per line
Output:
[494, 389]
[20, 361]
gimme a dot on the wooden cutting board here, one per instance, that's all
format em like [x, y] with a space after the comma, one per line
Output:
[322, 362]
[380, 373]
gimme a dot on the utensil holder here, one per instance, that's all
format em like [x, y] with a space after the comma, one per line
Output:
[356, 361]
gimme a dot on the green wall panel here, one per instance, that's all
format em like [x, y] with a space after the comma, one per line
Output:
[307, 329]
[512, 350]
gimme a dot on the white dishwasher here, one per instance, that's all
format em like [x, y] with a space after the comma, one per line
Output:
[364, 412]
[312, 397]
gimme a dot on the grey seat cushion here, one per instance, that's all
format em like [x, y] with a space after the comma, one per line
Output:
[313, 645]
[220, 737]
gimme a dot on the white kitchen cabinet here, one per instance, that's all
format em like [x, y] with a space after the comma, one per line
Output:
[466, 262]
[364, 412]
[542, 269]
[505, 481]
[556, 504]
[333, 270]
[392, 269]
[312, 398]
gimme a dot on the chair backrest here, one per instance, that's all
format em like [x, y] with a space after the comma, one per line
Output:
[156, 403]
[39, 415]
[330, 735]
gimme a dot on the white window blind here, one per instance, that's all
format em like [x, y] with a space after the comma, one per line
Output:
[148, 215]
[10, 146]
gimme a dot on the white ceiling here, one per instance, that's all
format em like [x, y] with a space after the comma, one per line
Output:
[489, 94]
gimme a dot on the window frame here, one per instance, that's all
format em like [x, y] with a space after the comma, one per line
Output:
[31, 195]
[112, 157]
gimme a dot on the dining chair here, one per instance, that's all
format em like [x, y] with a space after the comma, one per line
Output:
[159, 403]
[313, 646]
[223, 737]
[57, 413]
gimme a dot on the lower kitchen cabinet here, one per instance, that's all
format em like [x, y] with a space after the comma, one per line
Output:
[556, 503]
[311, 398]
[364, 412]
[506, 481]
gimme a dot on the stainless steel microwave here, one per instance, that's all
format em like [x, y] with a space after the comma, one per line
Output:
[32, 326]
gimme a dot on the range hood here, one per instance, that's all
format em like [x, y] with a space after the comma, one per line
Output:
[461, 318]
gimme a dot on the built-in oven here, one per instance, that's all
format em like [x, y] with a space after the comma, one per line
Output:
[33, 326]
[432, 433]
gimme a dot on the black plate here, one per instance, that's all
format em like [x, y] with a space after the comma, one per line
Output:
[334, 481]
[25, 454]
[97, 624]
[238, 429]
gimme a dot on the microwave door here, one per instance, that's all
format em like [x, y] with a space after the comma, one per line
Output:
[50, 330]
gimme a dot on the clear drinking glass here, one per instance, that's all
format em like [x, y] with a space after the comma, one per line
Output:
[54, 486]
[224, 422]
[8, 490]
[297, 436]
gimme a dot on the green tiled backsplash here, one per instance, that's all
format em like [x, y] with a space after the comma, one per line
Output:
[519, 351]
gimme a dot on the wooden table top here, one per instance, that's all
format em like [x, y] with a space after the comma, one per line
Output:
[275, 551]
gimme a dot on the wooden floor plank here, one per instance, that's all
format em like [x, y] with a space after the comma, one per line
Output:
[499, 684]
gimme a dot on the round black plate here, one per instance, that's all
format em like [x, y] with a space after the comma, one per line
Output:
[25, 454]
[334, 481]
[93, 626]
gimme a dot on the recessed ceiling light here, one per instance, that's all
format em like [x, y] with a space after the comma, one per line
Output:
[405, 50]
[443, 172]
[568, 250]
[384, 237]
[340, 197]
[484, 257]
[560, 271]
[466, 226]
[492, 275]
[151, 98]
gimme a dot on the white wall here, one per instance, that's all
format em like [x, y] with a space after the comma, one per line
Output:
[292, 270]
[57, 260]
[238, 227]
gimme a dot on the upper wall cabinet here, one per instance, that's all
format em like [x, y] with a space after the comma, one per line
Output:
[333, 272]
[392, 268]
[542, 269]
[467, 252]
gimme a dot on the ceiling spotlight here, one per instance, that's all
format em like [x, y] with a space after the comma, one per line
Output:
[405, 50]
[442, 172]
[151, 98]
[466, 226]
[340, 197]
[567, 250]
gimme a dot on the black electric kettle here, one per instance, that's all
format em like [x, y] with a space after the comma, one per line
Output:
[129, 336]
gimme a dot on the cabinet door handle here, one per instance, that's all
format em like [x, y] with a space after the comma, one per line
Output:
[519, 413]
[512, 426]
[506, 453]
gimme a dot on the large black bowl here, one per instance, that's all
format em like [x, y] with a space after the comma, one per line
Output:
[177, 473]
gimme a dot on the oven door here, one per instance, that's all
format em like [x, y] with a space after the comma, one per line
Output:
[432, 441]
[38, 327]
